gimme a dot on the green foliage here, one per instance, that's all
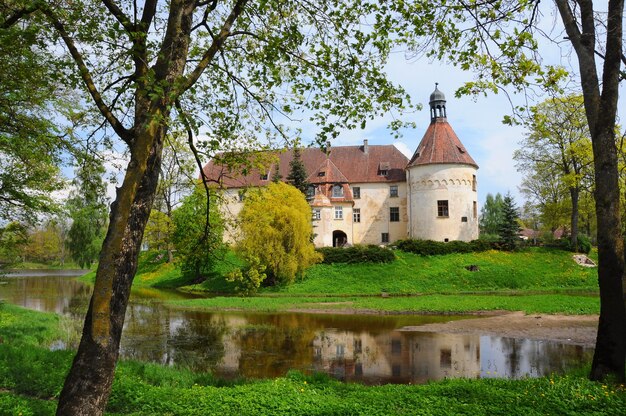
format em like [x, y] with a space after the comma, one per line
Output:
[357, 254]
[297, 172]
[30, 147]
[509, 226]
[584, 244]
[198, 234]
[491, 214]
[88, 210]
[275, 223]
[159, 231]
[46, 243]
[431, 248]
[13, 239]
[556, 159]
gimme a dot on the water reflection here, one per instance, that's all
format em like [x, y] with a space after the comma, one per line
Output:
[368, 349]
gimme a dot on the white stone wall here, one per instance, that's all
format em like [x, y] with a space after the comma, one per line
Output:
[374, 204]
[230, 207]
[453, 183]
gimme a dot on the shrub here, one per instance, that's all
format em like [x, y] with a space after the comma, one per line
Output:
[584, 244]
[564, 243]
[433, 248]
[357, 254]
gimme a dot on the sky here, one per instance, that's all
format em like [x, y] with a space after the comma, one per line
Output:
[477, 123]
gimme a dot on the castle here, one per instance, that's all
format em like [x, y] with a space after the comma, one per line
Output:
[373, 194]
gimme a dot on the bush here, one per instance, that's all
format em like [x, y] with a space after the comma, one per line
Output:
[434, 248]
[584, 244]
[357, 254]
[564, 243]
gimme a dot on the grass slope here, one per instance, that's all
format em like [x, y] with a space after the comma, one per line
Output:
[535, 280]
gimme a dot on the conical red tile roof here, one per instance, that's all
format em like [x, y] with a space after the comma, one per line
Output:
[440, 144]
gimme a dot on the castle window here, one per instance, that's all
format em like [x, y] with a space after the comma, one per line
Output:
[463, 219]
[394, 214]
[393, 191]
[317, 214]
[338, 213]
[382, 172]
[321, 174]
[356, 215]
[445, 358]
[356, 192]
[475, 209]
[442, 208]
[337, 191]
[473, 182]
[396, 346]
[310, 191]
[384, 238]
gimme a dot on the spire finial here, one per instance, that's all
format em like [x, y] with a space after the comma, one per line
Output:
[437, 104]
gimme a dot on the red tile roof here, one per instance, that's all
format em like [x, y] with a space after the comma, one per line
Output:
[440, 144]
[343, 164]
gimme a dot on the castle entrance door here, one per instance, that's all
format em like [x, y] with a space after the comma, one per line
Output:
[340, 238]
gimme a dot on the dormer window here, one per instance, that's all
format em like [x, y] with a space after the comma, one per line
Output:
[321, 174]
[383, 168]
[263, 176]
[337, 191]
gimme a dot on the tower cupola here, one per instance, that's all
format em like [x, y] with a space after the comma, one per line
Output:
[437, 104]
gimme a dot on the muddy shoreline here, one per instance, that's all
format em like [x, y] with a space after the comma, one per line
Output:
[567, 329]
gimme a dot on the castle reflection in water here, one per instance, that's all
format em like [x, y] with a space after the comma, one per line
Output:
[368, 349]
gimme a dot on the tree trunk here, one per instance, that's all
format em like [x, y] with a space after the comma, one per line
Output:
[601, 110]
[88, 384]
[610, 352]
[574, 194]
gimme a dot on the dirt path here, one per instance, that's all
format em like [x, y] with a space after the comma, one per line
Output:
[578, 330]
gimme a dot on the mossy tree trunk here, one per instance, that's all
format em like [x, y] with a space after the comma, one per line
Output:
[601, 110]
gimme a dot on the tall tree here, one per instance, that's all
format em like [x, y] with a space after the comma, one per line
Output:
[497, 40]
[226, 67]
[297, 172]
[197, 235]
[88, 210]
[491, 214]
[13, 239]
[30, 144]
[509, 227]
[558, 148]
[176, 180]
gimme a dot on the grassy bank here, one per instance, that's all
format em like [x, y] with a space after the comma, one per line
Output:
[465, 303]
[31, 377]
[535, 280]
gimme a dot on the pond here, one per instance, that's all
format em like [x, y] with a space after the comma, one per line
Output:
[370, 349]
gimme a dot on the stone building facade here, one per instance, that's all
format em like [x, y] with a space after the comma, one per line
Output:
[373, 194]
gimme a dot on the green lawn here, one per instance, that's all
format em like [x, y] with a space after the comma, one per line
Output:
[535, 280]
[31, 377]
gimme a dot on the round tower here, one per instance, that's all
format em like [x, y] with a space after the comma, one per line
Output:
[441, 182]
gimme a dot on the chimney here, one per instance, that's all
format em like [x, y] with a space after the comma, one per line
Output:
[365, 147]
